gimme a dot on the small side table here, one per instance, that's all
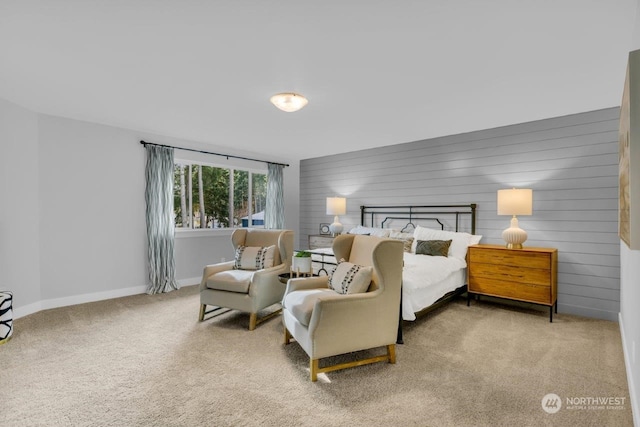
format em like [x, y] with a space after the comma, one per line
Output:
[6, 316]
[284, 277]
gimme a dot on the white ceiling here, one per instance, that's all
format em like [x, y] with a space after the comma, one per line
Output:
[375, 72]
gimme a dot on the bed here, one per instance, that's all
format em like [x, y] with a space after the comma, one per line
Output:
[428, 281]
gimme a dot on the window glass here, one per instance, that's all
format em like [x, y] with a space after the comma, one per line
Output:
[240, 198]
[258, 197]
[212, 197]
[181, 195]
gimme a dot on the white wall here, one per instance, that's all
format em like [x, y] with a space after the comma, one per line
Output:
[78, 189]
[92, 223]
[19, 228]
[630, 320]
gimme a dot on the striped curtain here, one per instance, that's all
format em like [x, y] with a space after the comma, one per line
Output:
[274, 211]
[160, 227]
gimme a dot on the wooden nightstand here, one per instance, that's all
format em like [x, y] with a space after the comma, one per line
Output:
[320, 241]
[528, 274]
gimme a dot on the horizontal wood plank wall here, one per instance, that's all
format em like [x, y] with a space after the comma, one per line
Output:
[570, 162]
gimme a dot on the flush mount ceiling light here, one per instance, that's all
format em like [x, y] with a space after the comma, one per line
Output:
[289, 101]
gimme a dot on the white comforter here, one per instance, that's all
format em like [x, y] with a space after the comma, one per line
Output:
[425, 279]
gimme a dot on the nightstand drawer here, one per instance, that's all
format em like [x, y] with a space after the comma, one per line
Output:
[502, 257]
[508, 273]
[513, 290]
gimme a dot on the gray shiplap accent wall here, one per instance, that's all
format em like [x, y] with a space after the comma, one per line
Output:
[570, 162]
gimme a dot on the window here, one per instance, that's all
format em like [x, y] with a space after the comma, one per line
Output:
[214, 197]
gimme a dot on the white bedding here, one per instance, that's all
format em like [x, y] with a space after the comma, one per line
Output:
[426, 279]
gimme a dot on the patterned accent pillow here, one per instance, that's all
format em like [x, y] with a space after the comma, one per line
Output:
[407, 239]
[433, 247]
[350, 278]
[254, 257]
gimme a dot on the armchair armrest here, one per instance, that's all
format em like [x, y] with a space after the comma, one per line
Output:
[212, 269]
[306, 283]
[265, 280]
[275, 270]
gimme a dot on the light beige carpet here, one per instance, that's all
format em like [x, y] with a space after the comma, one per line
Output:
[147, 361]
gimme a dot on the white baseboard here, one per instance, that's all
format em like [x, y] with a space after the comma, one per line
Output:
[190, 281]
[76, 299]
[26, 310]
[633, 397]
[84, 298]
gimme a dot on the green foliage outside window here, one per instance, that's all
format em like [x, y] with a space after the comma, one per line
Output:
[209, 198]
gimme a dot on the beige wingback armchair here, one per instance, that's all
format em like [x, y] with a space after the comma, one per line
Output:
[224, 286]
[326, 323]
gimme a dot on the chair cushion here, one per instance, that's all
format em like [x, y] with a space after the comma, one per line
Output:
[349, 278]
[301, 303]
[254, 257]
[231, 281]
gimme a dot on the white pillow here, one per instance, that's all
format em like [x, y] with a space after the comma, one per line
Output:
[254, 257]
[371, 231]
[407, 239]
[459, 240]
[475, 239]
[350, 278]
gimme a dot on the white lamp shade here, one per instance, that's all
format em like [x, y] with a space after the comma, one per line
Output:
[515, 201]
[289, 101]
[336, 206]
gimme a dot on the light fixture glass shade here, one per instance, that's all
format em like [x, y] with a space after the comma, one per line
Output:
[515, 201]
[289, 101]
[336, 206]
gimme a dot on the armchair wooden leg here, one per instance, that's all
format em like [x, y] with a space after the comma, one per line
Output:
[314, 365]
[253, 318]
[287, 336]
[203, 307]
[391, 353]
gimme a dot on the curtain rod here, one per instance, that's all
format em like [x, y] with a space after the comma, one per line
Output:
[214, 154]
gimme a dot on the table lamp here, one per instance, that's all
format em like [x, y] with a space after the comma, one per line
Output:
[515, 201]
[336, 206]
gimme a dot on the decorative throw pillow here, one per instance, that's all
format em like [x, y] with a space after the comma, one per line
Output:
[254, 257]
[433, 247]
[459, 240]
[407, 239]
[350, 278]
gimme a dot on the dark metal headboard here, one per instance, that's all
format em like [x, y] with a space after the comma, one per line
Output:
[411, 213]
